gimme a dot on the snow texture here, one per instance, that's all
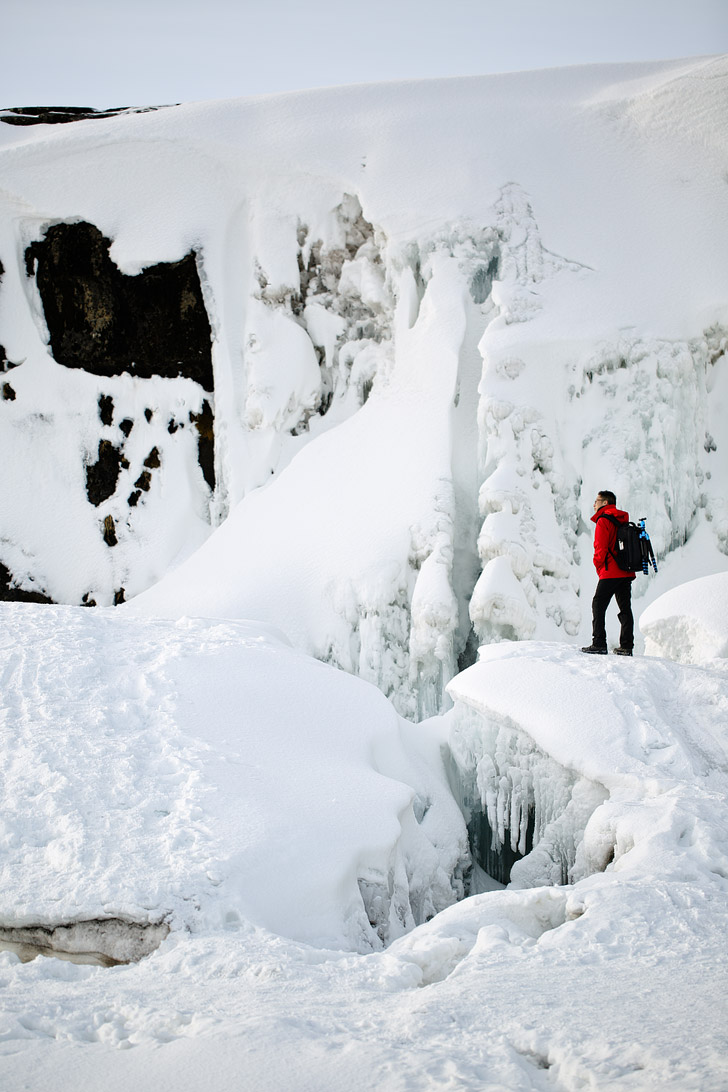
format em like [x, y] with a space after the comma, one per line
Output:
[206, 776]
[443, 315]
[689, 623]
[195, 774]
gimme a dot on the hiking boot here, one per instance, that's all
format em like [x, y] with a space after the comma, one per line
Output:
[595, 651]
[622, 651]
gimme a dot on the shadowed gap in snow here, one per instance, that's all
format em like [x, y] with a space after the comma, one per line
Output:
[525, 813]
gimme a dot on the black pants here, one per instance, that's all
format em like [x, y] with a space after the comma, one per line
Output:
[621, 589]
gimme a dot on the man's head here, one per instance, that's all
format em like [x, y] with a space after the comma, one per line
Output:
[604, 496]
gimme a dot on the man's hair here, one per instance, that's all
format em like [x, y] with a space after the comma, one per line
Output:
[608, 496]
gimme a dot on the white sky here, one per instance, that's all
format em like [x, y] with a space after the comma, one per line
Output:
[144, 52]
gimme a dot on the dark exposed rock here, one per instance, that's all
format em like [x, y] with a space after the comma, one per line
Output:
[87, 601]
[5, 364]
[497, 862]
[59, 115]
[143, 481]
[107, 323]
[110, 531]
[152, 459]
[172, 427]
[8, 393]
[126, 426]
[133, 498]
[148, 414]
[11, 593]
[103, 475]
[119, 597]
[106, 409]
[204, 422]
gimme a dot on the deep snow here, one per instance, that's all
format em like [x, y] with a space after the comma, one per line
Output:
[208, 775]
[444, 315]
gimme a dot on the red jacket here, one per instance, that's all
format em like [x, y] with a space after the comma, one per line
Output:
[604, 539]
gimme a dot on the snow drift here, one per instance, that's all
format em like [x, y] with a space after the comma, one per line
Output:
[204, 777]
[689, 623]
[199, 774]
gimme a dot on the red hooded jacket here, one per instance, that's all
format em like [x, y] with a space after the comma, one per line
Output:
[604, 539]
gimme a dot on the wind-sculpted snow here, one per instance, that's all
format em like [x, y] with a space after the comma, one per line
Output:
[689, 623]
[195, 774]
[639, 751]
[443, 315]
[209, 770]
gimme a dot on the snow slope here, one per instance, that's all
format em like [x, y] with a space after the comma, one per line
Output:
[443, 315]
[196, 774]
[208, 773]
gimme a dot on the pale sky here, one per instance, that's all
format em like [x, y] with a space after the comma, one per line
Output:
[149, 52]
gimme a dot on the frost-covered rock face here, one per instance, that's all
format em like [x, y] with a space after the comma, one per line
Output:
[124, 417]
[431, 346]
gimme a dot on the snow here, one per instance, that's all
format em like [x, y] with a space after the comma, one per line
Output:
[444, 316]
[217, 736]
[645, 732]
[689, 623]
[207, 776]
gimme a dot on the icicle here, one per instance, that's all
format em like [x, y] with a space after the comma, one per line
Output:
[529, 806]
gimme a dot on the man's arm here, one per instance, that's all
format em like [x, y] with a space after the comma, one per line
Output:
[602, 539]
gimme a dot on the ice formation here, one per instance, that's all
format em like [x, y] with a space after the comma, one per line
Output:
[440, 317]
[431, 344]
[102, 942]
[588, 762]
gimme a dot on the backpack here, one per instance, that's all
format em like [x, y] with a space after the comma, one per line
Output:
[632, 547]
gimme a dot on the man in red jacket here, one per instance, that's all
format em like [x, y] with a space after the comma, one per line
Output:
[613, 581]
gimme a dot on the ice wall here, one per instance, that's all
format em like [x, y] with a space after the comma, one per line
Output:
[526, 813]
[442, 316]
[584, 766]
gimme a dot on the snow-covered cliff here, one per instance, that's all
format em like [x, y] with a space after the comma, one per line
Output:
[440, 316]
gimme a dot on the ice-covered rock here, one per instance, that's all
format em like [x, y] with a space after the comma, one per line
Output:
[580, 766]
[419, 373]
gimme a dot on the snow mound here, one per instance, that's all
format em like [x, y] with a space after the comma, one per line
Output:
[611, 762]
[689, 623]
[198, 774]
[266, 763]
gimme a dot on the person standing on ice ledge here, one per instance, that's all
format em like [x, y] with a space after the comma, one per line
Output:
[613, 581]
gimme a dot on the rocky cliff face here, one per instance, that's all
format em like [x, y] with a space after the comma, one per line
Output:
[98, 319]
[130, 332]
[355, 364]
